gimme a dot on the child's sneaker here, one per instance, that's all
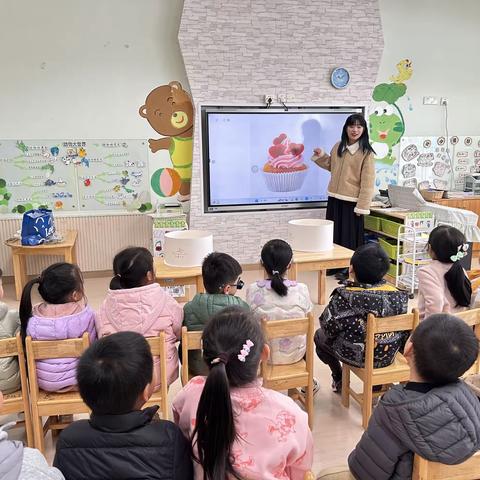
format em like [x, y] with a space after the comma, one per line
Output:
[316, 387]
[337, 385]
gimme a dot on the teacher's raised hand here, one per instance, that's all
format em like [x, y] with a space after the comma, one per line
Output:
[319, 152]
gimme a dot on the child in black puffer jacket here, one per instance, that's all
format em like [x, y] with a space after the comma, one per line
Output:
[341, 336]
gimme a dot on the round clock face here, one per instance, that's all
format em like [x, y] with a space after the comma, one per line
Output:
[340, 77]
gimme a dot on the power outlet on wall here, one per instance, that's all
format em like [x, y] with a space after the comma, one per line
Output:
[430, 100]
[269, 98]
[444, 101]
[282, 98]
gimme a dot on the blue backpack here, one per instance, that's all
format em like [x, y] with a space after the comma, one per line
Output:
[37, 226]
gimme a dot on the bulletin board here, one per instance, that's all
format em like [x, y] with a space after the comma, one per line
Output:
[434, 162]
[74, 176]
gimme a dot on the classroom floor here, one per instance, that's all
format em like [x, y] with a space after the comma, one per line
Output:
[336, 429]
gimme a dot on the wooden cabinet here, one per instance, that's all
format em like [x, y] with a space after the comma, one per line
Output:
[470, 203]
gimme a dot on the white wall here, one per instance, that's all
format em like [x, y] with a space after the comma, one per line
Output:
[83, 68]
[442, 38]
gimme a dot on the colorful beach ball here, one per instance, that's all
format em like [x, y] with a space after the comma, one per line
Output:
[165, 182]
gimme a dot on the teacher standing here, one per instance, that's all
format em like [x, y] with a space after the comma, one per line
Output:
[351, 186]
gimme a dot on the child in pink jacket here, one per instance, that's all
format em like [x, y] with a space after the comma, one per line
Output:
[63, 314]
[136, 303]
[239, 429]
[443, 286]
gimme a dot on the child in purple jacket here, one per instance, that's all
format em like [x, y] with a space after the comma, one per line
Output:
[63, 314]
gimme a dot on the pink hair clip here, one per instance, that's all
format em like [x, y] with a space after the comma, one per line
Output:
[245, 350]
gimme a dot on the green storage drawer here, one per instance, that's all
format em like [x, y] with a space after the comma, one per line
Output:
[390, 247]
[372, 223]
[390, 228]
[392, 270]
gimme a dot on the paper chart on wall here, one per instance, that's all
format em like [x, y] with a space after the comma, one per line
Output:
[425, 162]
[428, 162]
[466, 158]
[79, 175]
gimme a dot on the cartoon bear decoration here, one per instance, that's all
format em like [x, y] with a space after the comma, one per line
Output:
[169, 111]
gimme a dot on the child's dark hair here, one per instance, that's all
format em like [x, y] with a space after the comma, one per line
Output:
[114, 371]
[223, 339]
[370, 263]
[130, 268]
[364, 140]
[55, 285]
[276, 257]
[1, 273]
[446, 241]
[445, 347]
[218, 270]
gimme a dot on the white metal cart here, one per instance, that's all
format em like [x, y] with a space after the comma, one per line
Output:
[412, 249]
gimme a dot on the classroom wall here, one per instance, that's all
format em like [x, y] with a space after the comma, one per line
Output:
[441, 37]
[82, 70]
[235, 52]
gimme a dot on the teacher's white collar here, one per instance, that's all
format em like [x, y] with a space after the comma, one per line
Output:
[353, 148]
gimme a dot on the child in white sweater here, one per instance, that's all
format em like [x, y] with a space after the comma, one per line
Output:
[278, 298]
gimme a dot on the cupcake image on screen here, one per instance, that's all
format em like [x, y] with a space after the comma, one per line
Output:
[285, 170]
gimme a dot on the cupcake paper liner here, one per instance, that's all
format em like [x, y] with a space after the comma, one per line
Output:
[285, 182]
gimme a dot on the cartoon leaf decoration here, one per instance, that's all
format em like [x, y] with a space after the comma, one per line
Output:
[389, 92]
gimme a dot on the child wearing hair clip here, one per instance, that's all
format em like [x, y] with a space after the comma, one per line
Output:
[239, 429]
[443, 285]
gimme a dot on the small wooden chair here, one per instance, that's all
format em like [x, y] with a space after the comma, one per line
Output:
[398, 371]
[17, 402]
[157, 346]
[52, 404]
[425, 470]
[191, 340]
[472, 318]
[300, 374]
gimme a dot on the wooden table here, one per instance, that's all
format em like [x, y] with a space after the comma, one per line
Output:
[66, 249]
[339, 257]
[168, 276]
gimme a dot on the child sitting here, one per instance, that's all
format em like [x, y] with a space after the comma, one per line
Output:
[22, 463]
[342, 331]
[221, 278]
[443, 286]
[277, 298]
[9, 324]
[435, 415]
[136, 303]
[238, 428]
[120, 440]
[63, 314]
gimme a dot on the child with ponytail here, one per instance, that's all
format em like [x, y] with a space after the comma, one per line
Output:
[443, 286]
[278, 298]
[238, 428]
[63, 314]
[136, 303]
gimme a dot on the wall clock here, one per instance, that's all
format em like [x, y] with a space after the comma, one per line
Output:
[340, 77]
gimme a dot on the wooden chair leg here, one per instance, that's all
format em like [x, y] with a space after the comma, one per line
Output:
[367, 403]
[309, 404]
[38, 438]
[345, 386]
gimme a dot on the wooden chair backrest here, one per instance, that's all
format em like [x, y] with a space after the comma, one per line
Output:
[287, 327]
[472, 318]
[8, 347]
[158, 349]
[191, 340]
[157, 344]
[425, 470]
[43, 349]
[13, 347]
[397, 323]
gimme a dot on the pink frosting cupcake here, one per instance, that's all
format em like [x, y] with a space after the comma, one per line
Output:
[285, 170]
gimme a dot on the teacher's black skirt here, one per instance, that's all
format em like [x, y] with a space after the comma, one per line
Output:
[347, 225]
